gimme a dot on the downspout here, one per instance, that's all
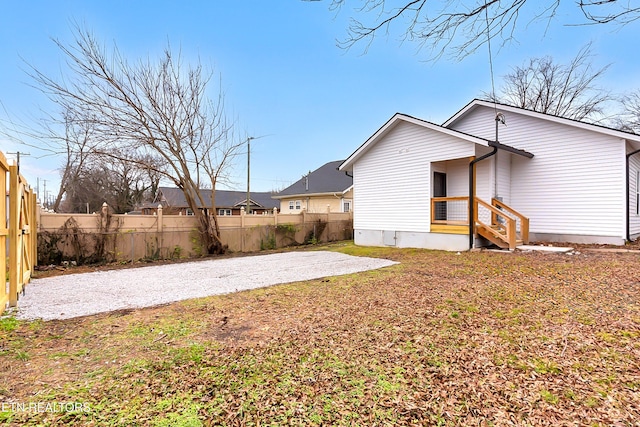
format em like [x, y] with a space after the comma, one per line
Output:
[471, 192]
[627, 196]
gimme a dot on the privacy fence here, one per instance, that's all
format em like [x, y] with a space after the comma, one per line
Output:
[18, 239]
[104, 237]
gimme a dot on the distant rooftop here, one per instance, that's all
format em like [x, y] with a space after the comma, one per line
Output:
[326, 179]
[224, 198]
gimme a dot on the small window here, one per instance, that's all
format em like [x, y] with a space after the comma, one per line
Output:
[291, 205]
[346, 206]
[298, 205]
[189, 212]
[224, 212]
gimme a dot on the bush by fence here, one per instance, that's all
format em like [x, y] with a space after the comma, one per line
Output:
[104, 237]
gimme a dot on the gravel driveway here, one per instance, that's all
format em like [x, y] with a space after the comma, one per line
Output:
[75, 295]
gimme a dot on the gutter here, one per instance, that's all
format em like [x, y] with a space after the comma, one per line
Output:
[627, 196]
[471, 192]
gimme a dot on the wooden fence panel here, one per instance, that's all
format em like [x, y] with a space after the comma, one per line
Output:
[138, 237]
[4, 231]
[21, 233]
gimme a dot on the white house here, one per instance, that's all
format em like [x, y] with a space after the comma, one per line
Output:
[521, 176]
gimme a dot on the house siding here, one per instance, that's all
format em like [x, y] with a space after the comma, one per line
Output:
[393, 178]
[458, 171]
[316, 204]
[634, 217]
[484, 175]
[571, 186]
[503, 187]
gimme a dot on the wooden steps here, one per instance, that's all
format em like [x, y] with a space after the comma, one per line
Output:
[496, 235]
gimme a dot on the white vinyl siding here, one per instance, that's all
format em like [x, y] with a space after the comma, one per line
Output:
[457, 176]
[393, 178]
[503, 187]
[572, 185]
[637, 192]
[484, 175]
[634, 196]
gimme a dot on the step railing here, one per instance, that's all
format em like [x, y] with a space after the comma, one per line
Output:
[498, 223]
[522, 222]
[450, 210]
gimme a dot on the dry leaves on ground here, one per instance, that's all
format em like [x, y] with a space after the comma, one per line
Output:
[478, 338]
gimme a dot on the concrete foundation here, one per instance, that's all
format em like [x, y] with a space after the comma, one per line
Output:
[575, 238]
[410, 239]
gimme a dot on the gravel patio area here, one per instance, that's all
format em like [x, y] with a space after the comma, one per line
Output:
[74, 295]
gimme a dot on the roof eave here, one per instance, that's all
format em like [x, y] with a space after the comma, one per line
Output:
[347, 164]
[556, 119]
[511, 149]
[327, 193]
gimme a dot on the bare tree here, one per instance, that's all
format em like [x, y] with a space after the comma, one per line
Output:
[461, 27]
[55, 135]
[564, 90]
[119, 183]
[629, 119]
[77, 143]
[153, 109]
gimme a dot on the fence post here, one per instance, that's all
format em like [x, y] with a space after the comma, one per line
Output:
[160, 231]
[4, 231]
[14, 214]
[242, 233]
[33, 228]
[275, 216]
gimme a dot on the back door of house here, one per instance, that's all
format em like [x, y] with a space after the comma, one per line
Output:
[440, 190]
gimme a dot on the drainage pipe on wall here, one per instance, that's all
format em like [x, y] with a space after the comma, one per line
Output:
[628, 201]
[472, 193]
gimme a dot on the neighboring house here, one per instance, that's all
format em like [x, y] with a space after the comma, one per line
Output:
[418, 183]
[227, 202]
[324, 189]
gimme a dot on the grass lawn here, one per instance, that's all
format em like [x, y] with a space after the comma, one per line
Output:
[476, 338]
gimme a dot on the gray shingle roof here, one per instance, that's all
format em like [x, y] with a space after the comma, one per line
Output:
[224, 198]
[326, 179]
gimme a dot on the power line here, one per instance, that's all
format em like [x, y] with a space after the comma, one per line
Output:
[493, 86]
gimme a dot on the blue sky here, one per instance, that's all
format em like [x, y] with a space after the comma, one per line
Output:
[284, 78]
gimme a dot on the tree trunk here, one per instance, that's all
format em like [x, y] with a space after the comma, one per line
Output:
[210, 233]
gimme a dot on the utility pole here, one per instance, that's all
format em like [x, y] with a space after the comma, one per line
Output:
[248, 210]
[44, 202]
[17, 153]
